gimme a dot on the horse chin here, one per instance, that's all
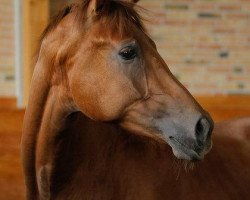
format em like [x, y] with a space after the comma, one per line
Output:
[184, 155]
[183, 152]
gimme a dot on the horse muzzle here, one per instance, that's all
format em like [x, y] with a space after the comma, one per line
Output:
[189, 146]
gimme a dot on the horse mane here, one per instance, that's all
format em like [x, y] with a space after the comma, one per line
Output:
[55, 21]
[120, 14]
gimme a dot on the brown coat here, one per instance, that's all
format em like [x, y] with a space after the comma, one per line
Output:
[105, 116]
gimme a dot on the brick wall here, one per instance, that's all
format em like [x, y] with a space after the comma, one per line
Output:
[206, 43]
[7, 71]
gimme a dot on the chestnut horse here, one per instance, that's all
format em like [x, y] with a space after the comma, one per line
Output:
[103, 106]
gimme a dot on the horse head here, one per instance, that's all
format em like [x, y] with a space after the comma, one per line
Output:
[108, 68]
[111, 70]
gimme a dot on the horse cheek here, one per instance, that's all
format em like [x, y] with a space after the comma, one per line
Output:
[84, 95]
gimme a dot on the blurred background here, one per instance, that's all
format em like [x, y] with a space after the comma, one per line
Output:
[206, 44]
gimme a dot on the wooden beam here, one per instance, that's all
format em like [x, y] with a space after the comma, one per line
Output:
[35, 19]
[223, 107]
[7, 103]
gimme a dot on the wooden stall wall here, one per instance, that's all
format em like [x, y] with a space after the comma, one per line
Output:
[35, 19]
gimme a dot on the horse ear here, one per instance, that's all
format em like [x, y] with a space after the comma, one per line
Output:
[95, 5]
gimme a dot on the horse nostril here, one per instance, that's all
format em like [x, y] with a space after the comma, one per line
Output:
[202, 130]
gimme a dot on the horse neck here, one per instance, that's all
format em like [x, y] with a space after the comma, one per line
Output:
[45, 116]
[48, 117]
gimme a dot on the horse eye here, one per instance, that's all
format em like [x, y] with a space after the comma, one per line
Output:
[128, 53]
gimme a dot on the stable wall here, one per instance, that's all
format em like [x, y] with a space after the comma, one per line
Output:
[7, 49]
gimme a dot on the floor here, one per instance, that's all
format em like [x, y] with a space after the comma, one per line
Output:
[11, 180]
